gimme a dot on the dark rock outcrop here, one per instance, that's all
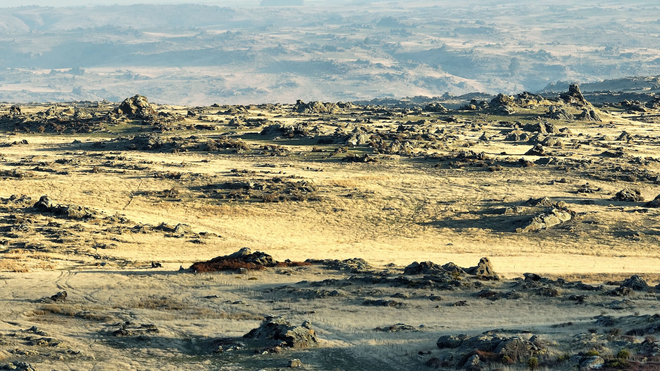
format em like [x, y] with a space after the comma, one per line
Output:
[279, 330]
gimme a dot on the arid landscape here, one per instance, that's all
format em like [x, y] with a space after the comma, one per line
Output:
[477, 232]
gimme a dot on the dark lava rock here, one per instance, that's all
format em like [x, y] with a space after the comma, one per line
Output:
[655, 203]
[537, 150]
[136, 107]
[629, 195]
[451, 341]
[244, 258]
[45, 205]
[280, 330]
[546, 220]
[15, 110]
[19, 366]
[483, 270]
[422, 268]
[635, 283]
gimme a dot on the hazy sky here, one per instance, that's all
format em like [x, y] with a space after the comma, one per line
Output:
[17, 3]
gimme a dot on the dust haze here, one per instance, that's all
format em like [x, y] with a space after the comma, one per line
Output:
[353, 50]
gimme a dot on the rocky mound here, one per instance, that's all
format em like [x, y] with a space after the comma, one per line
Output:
[46, 205]
[483, 270]
[546, 220]
[435, 107]
[279, 330]
[315, 107]
[629, 195]
[574, 96]
[240, 260]
[136, 107]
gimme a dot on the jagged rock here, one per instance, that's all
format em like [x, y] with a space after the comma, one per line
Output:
[295, 363]
[435, 107]
[629, 195]
[654, 103]
[574, 95]
[541, 127]
[136, 107]
[546, 220]
[473, 364]
[427, 267]
[592, 363]
[355, 265]
[451, 341]
[502, 100]
[44, 204]
[515, 349]
[543, 201]
[635, 283]
[316, 107]
[280, 330]
[589, 115]
[655, 203]
[483, 270]
[559, 113]
[69, 211]
[244, 258]
[537, 150]
[19, 366]
[60, 296]
[624, 137]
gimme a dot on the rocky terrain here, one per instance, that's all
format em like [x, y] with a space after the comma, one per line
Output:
[506, 232]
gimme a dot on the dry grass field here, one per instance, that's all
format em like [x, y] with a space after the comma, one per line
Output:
[135, 194]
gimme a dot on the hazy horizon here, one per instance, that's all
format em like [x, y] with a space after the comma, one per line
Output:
[361, 50]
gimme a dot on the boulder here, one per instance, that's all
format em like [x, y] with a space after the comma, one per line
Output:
[629, 195]
[592, 363]
[278, 329]
[559, 113]
[589, 115]
[483, 270]
[295, 363]
[242, 259]
[136, 107]
[15, 110]
[450, 341]
[537, 150]
[546, 220]
[427, 267]
[473, 364]
[515, 348]
[655, 203]
[635, 283]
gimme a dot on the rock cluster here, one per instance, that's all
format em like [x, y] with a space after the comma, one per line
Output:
[281, 331]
